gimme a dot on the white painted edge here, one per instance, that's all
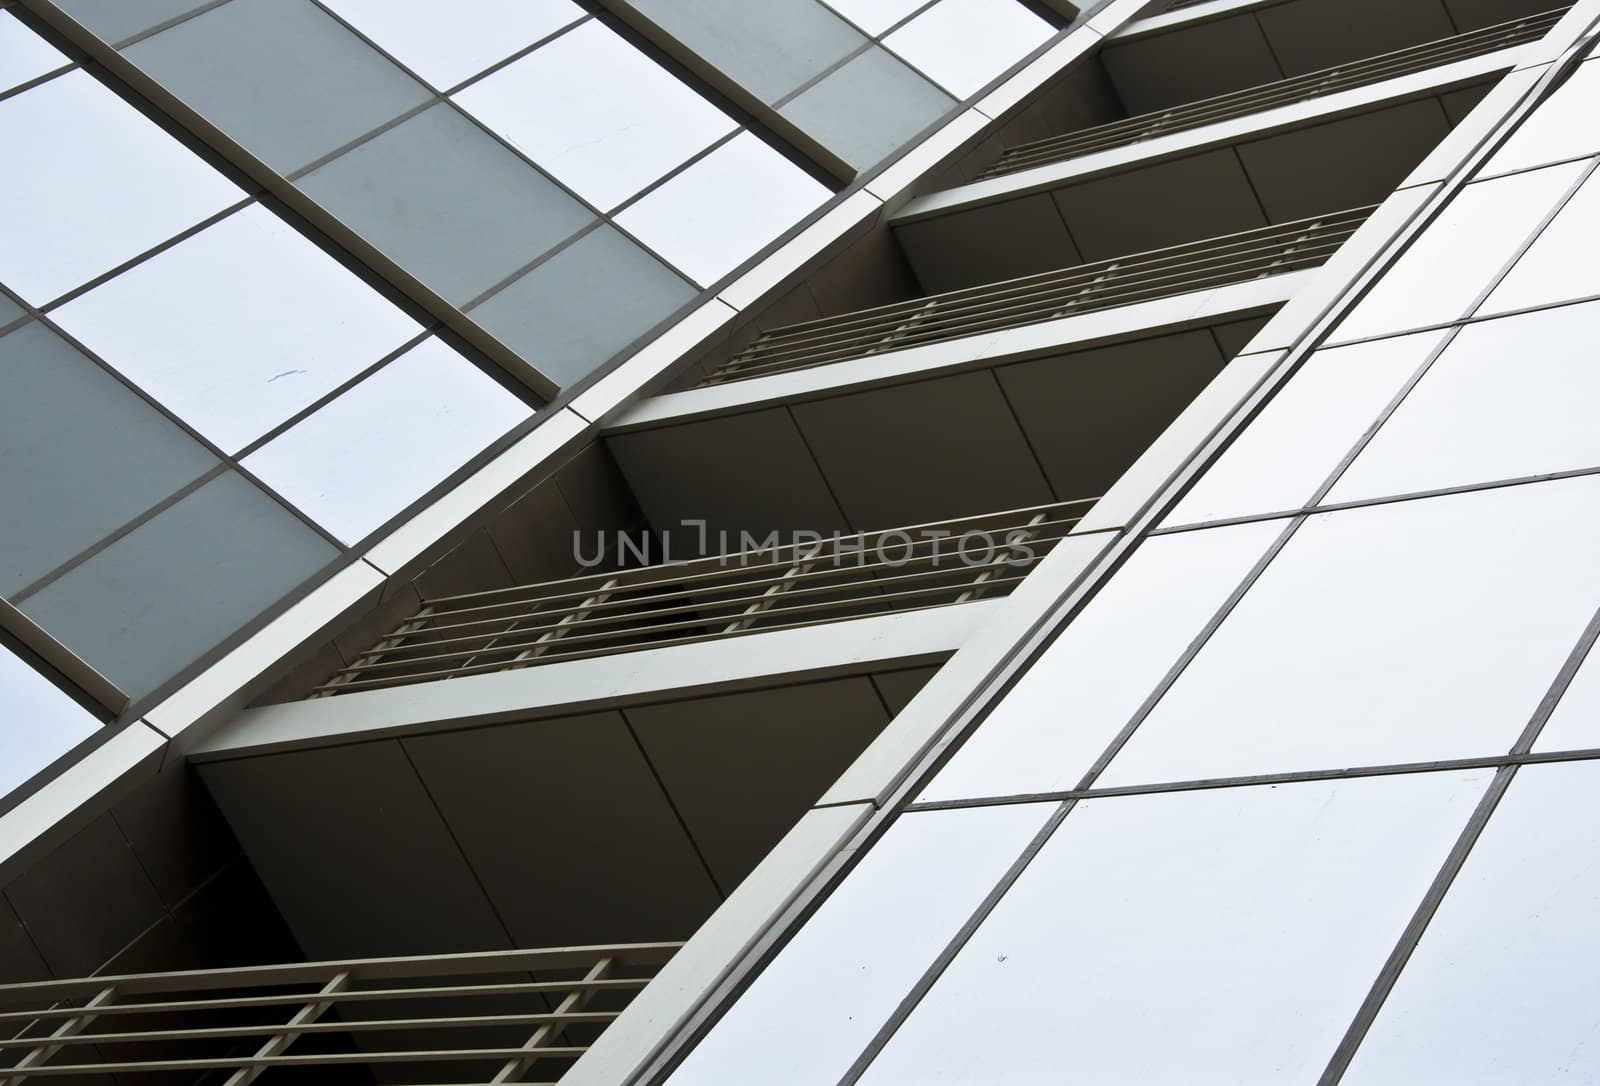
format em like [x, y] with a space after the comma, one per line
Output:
[544, 443]
[1285, 118]
[574, 686]
[1049, 64]
[1464, 138]
[855, 211]
[664, 1006]
[1199, 13]
[965, 127]
[121, 762]
[226, 685]
[921, 724]
[1155, 317]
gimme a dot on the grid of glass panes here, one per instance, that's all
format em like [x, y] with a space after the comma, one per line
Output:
[1185, 843]
[191, 390]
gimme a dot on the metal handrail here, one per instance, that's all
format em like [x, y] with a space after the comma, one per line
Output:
[1251, 100]
[805, 583]
[248, 1020]
[1032, 299]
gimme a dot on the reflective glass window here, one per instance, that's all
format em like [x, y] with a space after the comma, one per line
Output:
[1291, 447]
[80, 454]
[237, 328]
[1562, 127]
[180, 583]
[444, 410]
[964, 44]
[1438, 278]
[1397, 633]
[1222, 935]
[1063, 713]
[583, 305]
[770, 48]
[282, 77]
[116, 20]
[598, 114]
[1508, 398]
[93, 183]
[1562, 263]
[24, 55]
[40, 723]
[447, 201]
[869, 107]
[845, 970]
[723, 209]
[446, 45]
[1501, 987]
[875, 16]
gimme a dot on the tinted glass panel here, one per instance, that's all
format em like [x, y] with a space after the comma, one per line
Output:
[115, 20]
[179, 584]
[868, 108]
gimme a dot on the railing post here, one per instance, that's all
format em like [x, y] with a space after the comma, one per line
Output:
[70, 1028]
[376, 653]
[803, 564]
[275, 1045]
[545, 1035]
[543, 642]
[1002, 553]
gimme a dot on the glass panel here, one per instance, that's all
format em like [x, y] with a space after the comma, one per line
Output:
[597, 113]
[1501, 988]
[852, 962]
[423, 415]
[1439, 277]
[722, 210]
[1396, 633]
[868, 108]
[875, 16]
[9, 310]
[1563, 263]
[238, 327]
[447, 202]
[770, 48]
[1312, 423]
[1063, 713]
[177, 585]
[1507, 398]
[40, 723]
[23, 54]
[1224, 935]
[80, 454]
[95, 184]
[1575, 723]
[117, 20]
[447, 45]
[964, 44]
[281, 77]
[583, 305]
[1562, 126]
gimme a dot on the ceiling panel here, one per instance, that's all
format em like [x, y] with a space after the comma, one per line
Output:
[742, 768]
[1195, 62]
[1090, 414]
[1310, 34]
[568, 829]
[921, 452]
[988, 244]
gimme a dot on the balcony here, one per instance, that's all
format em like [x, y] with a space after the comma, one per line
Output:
[1283, 92]
[674, 603]
[1048, 296]
[507, 1016]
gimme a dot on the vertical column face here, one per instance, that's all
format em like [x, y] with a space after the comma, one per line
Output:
[1286, 764]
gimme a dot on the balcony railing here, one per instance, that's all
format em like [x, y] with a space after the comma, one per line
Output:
[505, 1016]
[1252, 100]
[1103, 284]
[803, 583]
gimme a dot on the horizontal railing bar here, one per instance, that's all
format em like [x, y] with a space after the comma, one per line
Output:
[1304, 87]
[665, 627]
[707, 594]
[371, 995]
[379, 1025]
[1307, 255]
[359, 684]
[1092, 292]
[872, 321]
[418, 966]
[328, 1059]
[720, 561]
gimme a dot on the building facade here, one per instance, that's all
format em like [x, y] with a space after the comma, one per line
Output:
[886, 541]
